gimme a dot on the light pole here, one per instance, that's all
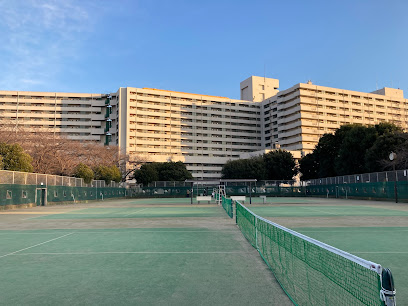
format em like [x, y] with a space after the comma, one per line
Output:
[392, 158]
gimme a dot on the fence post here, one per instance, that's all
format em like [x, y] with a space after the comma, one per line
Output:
[256, 233]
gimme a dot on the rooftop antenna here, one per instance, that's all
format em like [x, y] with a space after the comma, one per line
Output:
[264, 72]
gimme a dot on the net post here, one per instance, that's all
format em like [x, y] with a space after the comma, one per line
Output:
[387, 292]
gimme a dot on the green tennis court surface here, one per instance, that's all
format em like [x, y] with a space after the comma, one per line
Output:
[139, 212]
[324, 211]
[169, 252]
[121, 253]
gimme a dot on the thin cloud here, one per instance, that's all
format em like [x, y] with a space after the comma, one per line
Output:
[39, 38]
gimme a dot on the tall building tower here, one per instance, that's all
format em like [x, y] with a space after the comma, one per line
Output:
[257, 89]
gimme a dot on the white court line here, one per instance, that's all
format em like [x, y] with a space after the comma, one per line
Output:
[130, 231]
[12, 253]
[53, 214]
[345, 232]
[145, 252]
[380, 252]
[136, 212]
[140, 232]
[49, 233]
[322, 211]
[35, 217]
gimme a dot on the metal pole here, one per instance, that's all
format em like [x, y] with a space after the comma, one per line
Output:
[250, 193]
[191, 193]
[395, 186]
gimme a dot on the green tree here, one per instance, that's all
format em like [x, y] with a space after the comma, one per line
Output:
[309, 167]
[173, 171]
[251, 168]
[325, 153]
[352, 149]
[116, 174]
[387, 128]
[357, 139]
[167, 171]
[376, 156]
[146, 174]
[14, 158]
[108, 174]
[84, 172]
[279, 165]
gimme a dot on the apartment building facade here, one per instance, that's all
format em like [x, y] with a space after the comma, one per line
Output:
[202, 131]
[75, 115]
[296, 118]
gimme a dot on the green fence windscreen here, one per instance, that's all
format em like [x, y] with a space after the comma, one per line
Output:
[15, 194]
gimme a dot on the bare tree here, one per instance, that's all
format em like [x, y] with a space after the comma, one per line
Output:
[56, 154]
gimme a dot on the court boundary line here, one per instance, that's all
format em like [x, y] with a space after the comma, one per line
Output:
[134, 252]
[322, 211]
[53, 213]
[368, 252]
[38, 244]
[354, 232]
[112, 231]
[136, 212]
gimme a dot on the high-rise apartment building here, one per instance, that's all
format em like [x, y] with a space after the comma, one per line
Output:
[203, 131]
[297, 117]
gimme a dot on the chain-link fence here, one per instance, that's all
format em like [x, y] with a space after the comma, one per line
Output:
[386, 176]
[25, 178]
[23, 188]
[217, 182]
[377, 190]
[18, 194]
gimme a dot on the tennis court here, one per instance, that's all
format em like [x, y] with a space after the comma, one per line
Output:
[373, 230]
[142, 252]
[169, 252]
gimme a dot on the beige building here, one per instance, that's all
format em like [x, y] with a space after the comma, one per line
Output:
[78, 116]
[204, 131]
[297, 117]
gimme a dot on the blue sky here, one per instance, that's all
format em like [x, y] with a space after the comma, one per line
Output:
[205, 47]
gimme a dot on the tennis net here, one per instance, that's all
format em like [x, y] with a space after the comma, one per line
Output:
[227, 205]
[309, 271]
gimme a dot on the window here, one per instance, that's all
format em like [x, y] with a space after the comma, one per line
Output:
[55, 194]
[24, 194]
[9, 194]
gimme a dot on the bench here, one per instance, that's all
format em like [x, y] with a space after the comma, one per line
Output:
[238, 198]
[203, 198]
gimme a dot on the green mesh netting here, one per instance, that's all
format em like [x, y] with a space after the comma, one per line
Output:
[227, 204]
[309, 273]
